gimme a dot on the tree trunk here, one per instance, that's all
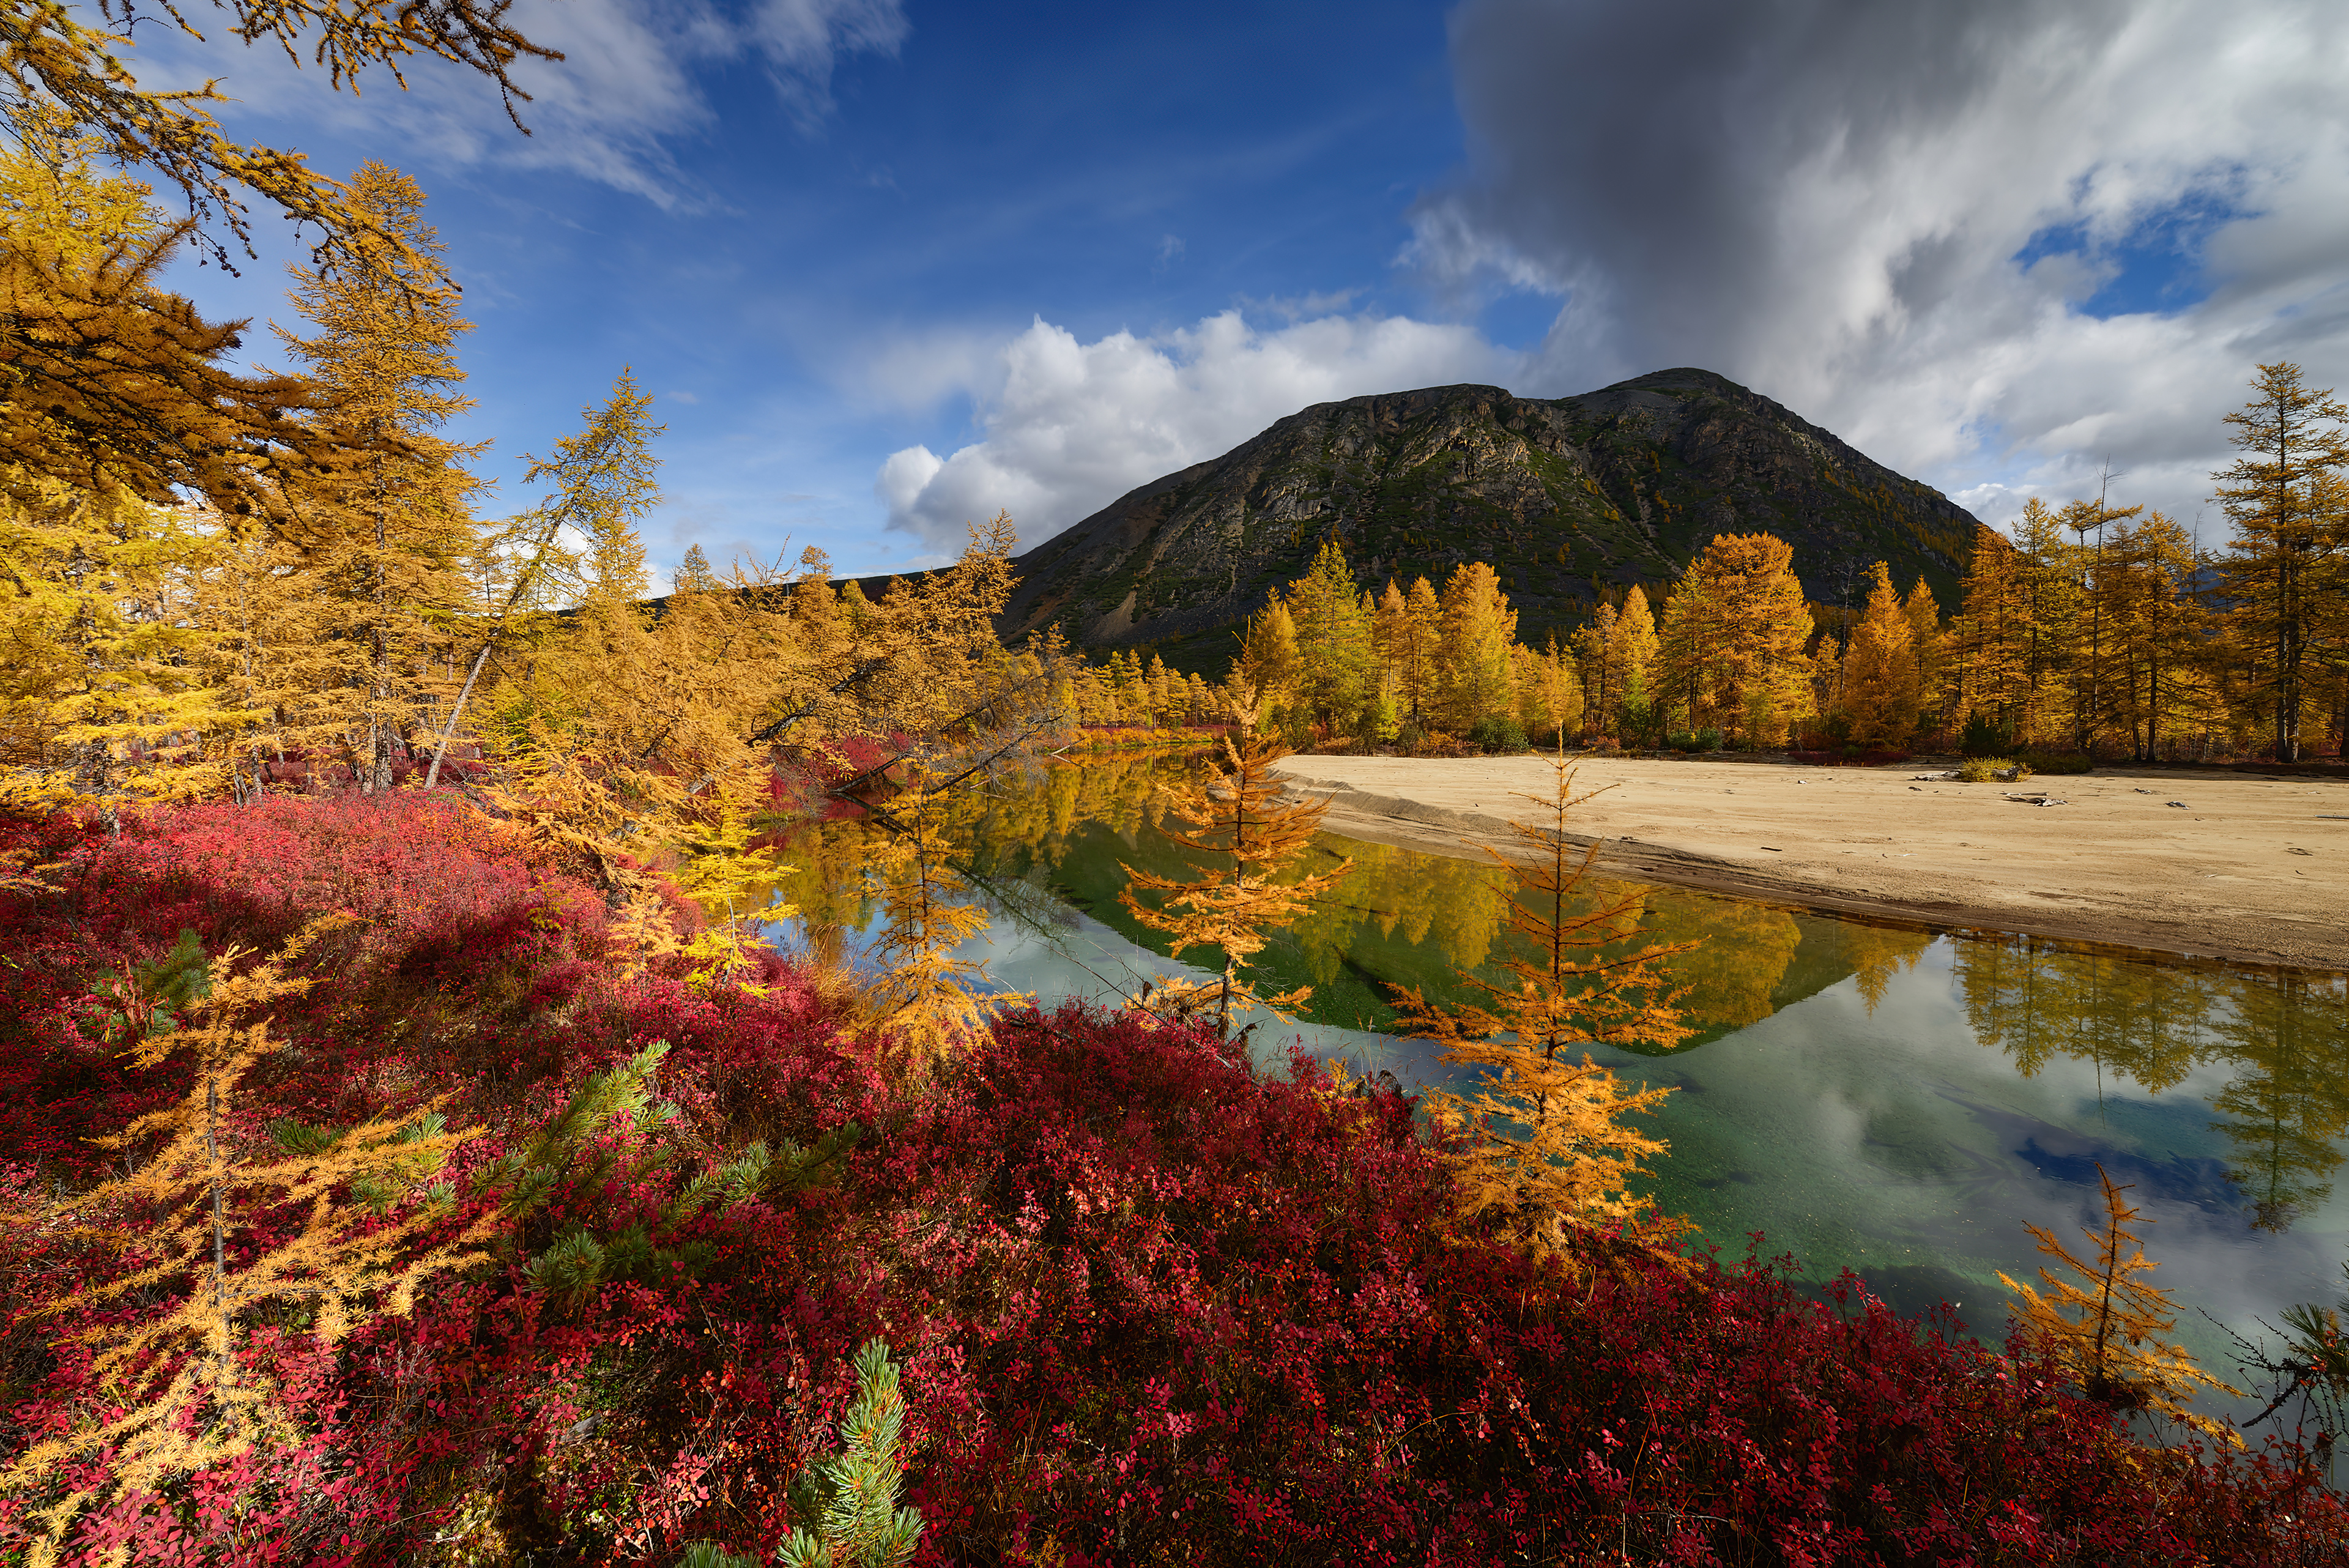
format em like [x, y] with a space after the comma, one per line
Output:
[456, 711]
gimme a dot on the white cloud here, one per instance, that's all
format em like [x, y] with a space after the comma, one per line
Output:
[1069, 426]
[1825, 200]
[803, 40]
[625, 86]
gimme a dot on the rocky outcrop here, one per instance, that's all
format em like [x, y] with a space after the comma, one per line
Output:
[1562, 495]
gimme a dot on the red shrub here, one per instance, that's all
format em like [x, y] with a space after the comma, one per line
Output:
[1155, 1305]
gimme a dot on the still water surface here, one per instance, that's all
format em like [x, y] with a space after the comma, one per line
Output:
[1887, 1099]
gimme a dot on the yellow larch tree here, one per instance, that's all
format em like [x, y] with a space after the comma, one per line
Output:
[1632, 644]
[2282, 495]
[1249, 837]
[1421, 630]
[2105, 1325]
[929, 1004]
[362, 1225]
[1730, 647]
[1987, 661]
[1596, 651]
[1474, 676]
[1545, 1146]
[1880, 693]
[384, 526]
[603, 483]
[1335, 678]
[2155, 634]
[113, 411]
[2053, 602]
[1269, 665]
[1549, 692]
[107, 380]
[1928, 644]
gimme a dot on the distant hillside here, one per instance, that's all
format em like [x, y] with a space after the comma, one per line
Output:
[1561, 494]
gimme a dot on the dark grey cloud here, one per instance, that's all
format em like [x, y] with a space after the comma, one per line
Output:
[1992, 241]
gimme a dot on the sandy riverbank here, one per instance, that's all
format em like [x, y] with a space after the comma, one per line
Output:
[2247, 869]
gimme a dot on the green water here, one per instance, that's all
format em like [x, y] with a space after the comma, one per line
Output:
[1889, 1099]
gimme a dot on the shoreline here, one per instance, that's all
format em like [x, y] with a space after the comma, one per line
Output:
[2250, 871]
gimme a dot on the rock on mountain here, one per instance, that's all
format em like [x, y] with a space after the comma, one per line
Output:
[1563, 496]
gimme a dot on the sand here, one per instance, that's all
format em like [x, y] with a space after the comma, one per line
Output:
[2247, 869]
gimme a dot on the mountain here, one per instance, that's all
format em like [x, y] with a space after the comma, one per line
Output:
[1562, 495]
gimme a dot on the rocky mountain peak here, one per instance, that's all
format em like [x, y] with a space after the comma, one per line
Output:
[1568, 497]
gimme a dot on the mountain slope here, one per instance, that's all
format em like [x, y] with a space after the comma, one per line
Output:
[1561, 495]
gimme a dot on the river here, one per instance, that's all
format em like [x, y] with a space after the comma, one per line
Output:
[1896, 1101]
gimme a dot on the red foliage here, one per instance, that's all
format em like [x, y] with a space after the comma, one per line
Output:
[452, 929]
[1154, 1305]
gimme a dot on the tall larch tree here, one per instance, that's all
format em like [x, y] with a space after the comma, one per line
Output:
[382, 529]
[2282, 495]
[1928, 641]
[1632, 646]
[2051, 606]
[2090, 699]
[1988, 658]
[1335, 680]
[1423, 632]
[1731, 644]
[114, 411]
[1602, 684]
[1879, 683]
[1473, 664]
[603, 481]
[1269, 663]
[2156, 630]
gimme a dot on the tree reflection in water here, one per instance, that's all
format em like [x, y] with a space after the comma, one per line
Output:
[1035, 836]
[2284, 1034]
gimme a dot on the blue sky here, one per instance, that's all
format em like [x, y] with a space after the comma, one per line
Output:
[889, 266]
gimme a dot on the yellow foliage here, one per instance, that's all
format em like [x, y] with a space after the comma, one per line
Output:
[1543, 1145]
[1250, 836]
[2109, 1334]
[361, 1214]
[1731, 651]
[930, 1005]
[1881, 689]
[382, 525]
[1474, 676]
[64, 75]
[721, 868]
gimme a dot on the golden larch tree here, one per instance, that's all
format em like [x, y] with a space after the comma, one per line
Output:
[1335, 680]
[1880, 691]
[1730, 647]
[1545, 1146]
[384, 526]
[1927, 643]
[604, 480]
[1987, 659]
[929, 998]
[1249, 837]
[1474, 676]
[2105, 1325]
[1269, 664]
[1632, 645]
[116, 411]
[2283, 496]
